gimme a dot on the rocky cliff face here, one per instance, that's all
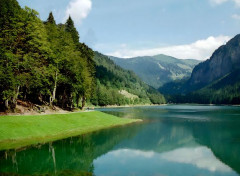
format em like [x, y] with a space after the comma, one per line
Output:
[223, 61]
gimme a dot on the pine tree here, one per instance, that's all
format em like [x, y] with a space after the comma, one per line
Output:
[72, 30]
[51, 19]
[55, 58]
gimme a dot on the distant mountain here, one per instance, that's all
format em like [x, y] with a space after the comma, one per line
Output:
[158, 70]
[217, 80]
[117, 86]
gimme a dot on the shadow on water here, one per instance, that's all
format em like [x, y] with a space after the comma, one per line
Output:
[175, 140]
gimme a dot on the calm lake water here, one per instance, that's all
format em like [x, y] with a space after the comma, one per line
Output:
[184, 140]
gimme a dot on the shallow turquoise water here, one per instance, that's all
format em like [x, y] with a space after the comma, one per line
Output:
[184, 140]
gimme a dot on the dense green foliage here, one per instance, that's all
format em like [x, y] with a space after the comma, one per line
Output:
[112, 79]
[40, 62]
[158, 70]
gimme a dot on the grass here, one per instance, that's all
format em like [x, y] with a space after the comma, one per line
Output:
[20, 131]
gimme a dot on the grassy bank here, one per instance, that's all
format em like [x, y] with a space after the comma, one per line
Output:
[20, 131]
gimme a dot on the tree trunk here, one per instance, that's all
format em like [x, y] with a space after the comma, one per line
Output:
[40, 98]
[6, 104]
[64, 99]
[53, 96]
[71, 102]
[83, 102]
[16, 97]
[78, 100]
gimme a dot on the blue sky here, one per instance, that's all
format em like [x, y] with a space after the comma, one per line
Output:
[127, 28]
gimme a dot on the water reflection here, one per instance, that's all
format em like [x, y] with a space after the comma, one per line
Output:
[184, 161]
[200, 157]
[174, 140]
[73, 156]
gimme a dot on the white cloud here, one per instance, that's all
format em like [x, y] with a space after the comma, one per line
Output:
[218, 1]
[78, 10]
[201, 49]
[236, 16]
[133, 153]
[201, 157]
[237, 2]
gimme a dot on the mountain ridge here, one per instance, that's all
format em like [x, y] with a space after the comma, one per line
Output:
[159, 69]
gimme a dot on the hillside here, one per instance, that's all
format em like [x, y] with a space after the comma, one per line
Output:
[158, 70]
[216, 80]
[117, 86]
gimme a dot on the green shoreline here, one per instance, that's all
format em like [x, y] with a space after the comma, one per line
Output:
[20, 131]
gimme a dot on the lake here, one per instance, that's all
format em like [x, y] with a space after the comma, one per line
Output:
[184, 140]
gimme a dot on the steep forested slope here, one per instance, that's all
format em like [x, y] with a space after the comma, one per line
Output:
[116, 86]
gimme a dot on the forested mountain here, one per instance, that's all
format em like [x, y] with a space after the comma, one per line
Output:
[44, 63]
[216, 80]
[158, 70]
[117, 86]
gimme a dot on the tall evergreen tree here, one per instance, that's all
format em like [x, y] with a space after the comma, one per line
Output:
[72, 30]
[51, 19]
[55, 58]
